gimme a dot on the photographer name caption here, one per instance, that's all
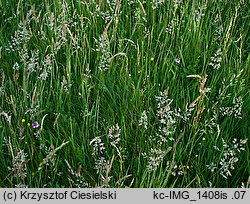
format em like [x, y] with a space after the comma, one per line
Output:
[127, 194]
[200, 195]
[17, 195]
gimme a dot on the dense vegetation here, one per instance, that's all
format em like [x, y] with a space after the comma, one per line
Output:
[128, 93]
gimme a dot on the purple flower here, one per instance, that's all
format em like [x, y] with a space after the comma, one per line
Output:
[178, 60]
[35, 124]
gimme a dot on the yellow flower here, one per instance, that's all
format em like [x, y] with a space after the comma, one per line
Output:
[28, 124]
[129, 75]
[152, 59]
[203, 138]
[23, 120]
[188, 167]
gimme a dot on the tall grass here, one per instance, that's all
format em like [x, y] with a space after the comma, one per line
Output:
[124, 93]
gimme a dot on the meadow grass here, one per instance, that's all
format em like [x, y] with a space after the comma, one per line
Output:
[119, 93]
